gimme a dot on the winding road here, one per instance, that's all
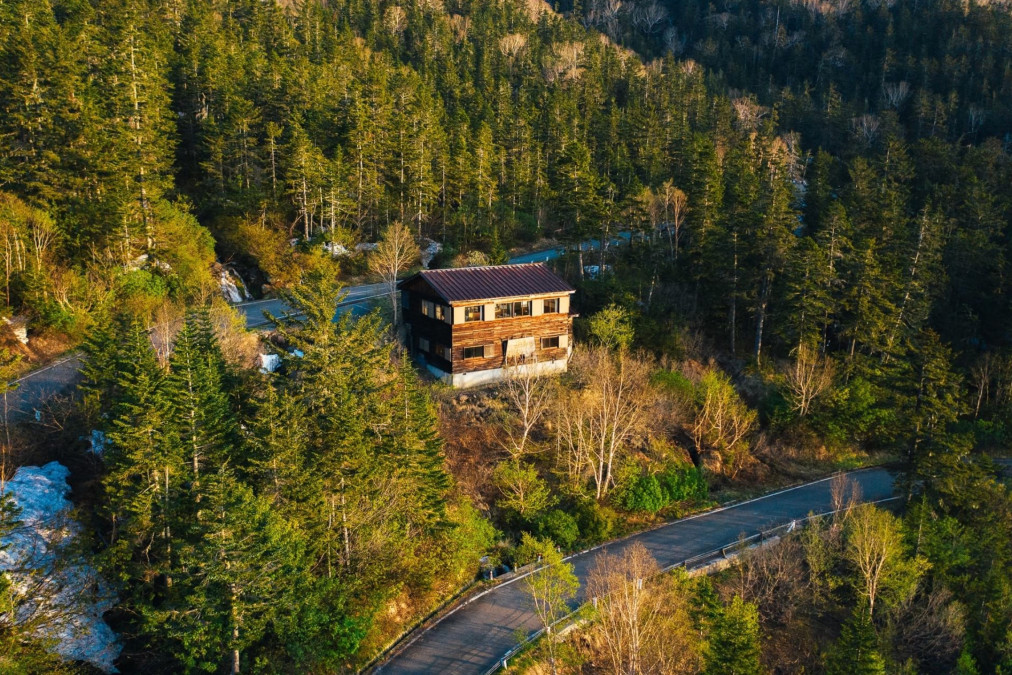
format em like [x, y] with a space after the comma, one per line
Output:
[476, 636]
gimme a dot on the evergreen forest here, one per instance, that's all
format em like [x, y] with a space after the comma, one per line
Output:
[789, 225]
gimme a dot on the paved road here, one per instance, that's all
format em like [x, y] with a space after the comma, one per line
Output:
[476, 635]
[356, 296]
[60, 377]
[553, 253]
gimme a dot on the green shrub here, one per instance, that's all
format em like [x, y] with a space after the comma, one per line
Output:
[596, 522]
[645, 495]
[560, 527]
[680, 483]
[674, 383]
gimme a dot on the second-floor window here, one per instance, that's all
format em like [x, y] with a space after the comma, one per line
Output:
[472, 313]
[551, 306]
[434, 310]
[505, 310]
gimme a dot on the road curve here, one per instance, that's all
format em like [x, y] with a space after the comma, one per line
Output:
[475, 636]
[35, 389]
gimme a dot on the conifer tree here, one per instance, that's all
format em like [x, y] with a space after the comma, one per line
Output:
[243, 569]
[200, 406]
[143, 485]
[732, 647]
[856, 651]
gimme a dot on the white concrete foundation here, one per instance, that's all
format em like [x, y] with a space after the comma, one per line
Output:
[478, 378]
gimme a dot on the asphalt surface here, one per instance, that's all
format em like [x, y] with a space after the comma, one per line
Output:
[477, 635]
[38, 388]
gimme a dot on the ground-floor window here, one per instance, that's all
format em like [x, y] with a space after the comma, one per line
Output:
[550, 342]
[423, 344]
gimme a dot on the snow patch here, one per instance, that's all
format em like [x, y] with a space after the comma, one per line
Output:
[18, 326]
[70, 597]
[431, 250]
[361, 248]
[269, 363]
[336, 250]
[232, 287]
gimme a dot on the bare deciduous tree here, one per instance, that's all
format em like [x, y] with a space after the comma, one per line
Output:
[675, 206]
[772, 577]
[930, 629]
[723, 422]
[845, 494]
[807, 378]
[674, 41]
[748, 112]
[564, 62]
[649, 16]
[396, 252]
[395, 19]
[629, 610]
[866, 128]
[511, 46]
[602, 415]
[895, 93]
[528, 393]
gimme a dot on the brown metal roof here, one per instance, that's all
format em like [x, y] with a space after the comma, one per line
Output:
[487, 283]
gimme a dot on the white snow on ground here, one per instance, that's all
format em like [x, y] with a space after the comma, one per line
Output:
[335, 250]
[431, 250]
[232, 287]
[269, 363]
[70, 596]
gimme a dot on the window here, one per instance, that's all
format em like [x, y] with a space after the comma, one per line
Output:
[474, 352]
[423, 344]
[505, 310]
[551, 306]
[473, 313]
[550, 342]
[428, 308]
[440, 312]
[441, 351]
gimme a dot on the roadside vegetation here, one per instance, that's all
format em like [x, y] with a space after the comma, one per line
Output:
[803, 219]
[861, 591]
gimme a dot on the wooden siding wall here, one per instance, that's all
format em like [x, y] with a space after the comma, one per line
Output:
[436, 331]
[480, 333]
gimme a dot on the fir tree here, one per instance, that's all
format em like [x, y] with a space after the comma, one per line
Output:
[732, 647]
[856, 651]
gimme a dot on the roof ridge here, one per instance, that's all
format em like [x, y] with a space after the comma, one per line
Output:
[483, 267]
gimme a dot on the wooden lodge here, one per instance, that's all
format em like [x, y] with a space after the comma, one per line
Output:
[468, 324]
